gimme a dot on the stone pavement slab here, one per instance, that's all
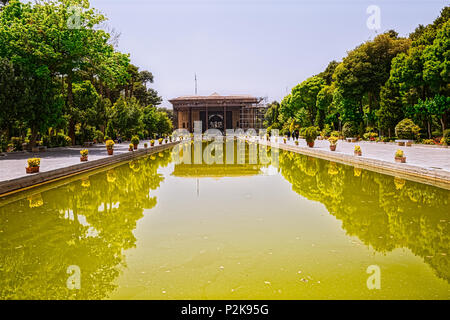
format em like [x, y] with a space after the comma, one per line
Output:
[12, 165]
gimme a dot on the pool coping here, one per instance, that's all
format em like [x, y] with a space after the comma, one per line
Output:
[8, 187]
[436, 177]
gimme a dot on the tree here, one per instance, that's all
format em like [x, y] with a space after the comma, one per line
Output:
[363, 72]
[324, 104]
[271, 115]
[423, 72]
[391, 109]
[163, 123]
[40, 37]
[127, 117]
[327, 74]
[304, 96]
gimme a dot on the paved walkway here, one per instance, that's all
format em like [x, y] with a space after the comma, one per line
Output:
[12, 165]
[423, 156]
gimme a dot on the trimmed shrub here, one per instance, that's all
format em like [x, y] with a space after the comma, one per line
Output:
[349, 130]
[99, 136]
[406, 129]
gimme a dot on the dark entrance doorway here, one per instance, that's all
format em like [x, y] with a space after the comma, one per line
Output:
[216, 120]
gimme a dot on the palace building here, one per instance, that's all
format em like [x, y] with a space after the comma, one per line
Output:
[219, 112]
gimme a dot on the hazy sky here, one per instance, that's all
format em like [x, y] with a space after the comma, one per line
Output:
[263, 48]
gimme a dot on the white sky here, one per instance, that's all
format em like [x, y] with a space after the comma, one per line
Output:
[249, 46]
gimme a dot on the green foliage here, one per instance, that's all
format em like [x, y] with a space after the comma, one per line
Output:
[99, 136]
[446, 137]
[271, 116]
[311, 134]
[406, 129]
[135, 140]
[304, 97]
[110, 132]
[84, 152]
[52, 76]
[335, 134]
[333, 140]
[349, 130]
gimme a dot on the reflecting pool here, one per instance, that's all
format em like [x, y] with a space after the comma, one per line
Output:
[160, 228]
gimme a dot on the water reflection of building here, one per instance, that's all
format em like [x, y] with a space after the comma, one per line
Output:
[218, 112]
[229, 159]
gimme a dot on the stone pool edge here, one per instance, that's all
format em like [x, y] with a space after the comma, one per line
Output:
[8, 187]
[436, 177]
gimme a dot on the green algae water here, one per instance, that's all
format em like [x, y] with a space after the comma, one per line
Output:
[155, 228]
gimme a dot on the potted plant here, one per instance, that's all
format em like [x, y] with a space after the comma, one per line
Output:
[135, 142]
[170, 138]
[296, 142]
[358, 151]
[131, 147]
[310, 136]
[333, 142]
[165, 140]
[33, 165]
[284, 140]
[160, 140]
[146, 145]
[110, 147]
[399, 156]
[84, 155]
[152, 143]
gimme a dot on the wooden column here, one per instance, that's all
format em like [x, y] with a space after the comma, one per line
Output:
[207, 120]
[224, 118]
[190, 119]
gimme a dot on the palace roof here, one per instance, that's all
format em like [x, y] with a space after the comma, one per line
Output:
[215, 97]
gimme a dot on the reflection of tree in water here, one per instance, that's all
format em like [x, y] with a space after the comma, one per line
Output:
[383, 211]
[88, 223]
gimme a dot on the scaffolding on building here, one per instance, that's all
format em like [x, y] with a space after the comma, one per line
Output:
[252, 116]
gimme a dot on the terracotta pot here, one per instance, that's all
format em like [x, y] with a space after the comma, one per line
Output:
[311, 144]
[400, 159]
[152, 144]
[358, 153]
[83, 158]
[110, 152]
[409, 144]
[130, 149]
[135, 147]
[401, 144]
[32, 169]
[333, 147]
